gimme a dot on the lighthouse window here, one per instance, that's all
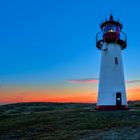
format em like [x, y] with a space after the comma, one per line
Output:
[116, 60]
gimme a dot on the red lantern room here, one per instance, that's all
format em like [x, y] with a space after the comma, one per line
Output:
[111, 31]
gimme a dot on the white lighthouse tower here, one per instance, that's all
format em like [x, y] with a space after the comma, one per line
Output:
[111, 90]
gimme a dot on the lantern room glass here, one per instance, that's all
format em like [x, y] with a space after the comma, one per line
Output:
[111, 28]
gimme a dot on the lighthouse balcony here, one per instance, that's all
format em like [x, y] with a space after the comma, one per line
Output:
[111, 37]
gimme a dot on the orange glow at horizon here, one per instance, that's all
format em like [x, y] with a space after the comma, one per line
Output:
[133, 94]
[67, 95]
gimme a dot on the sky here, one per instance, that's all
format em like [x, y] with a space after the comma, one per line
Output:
[48, 49]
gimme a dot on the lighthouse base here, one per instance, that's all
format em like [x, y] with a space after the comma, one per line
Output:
[111, 107]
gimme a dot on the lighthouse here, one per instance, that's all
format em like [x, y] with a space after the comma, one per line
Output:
[111, 41]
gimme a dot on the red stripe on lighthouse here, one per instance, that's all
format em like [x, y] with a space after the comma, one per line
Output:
[111, 107]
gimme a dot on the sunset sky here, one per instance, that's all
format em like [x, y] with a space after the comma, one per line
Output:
[48, 51]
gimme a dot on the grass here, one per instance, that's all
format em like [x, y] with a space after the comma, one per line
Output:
[56, 121]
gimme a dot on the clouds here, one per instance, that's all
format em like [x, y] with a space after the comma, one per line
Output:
[96, 80]
[88, 80]
[132, 81]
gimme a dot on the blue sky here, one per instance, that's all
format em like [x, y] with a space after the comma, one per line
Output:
[47, 42]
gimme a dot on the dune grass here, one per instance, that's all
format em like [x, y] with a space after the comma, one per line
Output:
[66, 121]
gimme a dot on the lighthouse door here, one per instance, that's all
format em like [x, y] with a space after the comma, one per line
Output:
[118, 101]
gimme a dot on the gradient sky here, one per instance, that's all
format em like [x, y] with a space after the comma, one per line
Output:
[48, 52]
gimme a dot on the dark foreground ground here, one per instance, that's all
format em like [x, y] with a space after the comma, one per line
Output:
[54, 121]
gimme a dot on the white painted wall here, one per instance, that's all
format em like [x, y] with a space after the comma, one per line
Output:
[111, 78]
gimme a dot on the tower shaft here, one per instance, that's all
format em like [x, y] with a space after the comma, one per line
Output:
[111, 81]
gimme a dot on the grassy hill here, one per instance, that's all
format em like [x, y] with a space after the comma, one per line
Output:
[68, 121]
